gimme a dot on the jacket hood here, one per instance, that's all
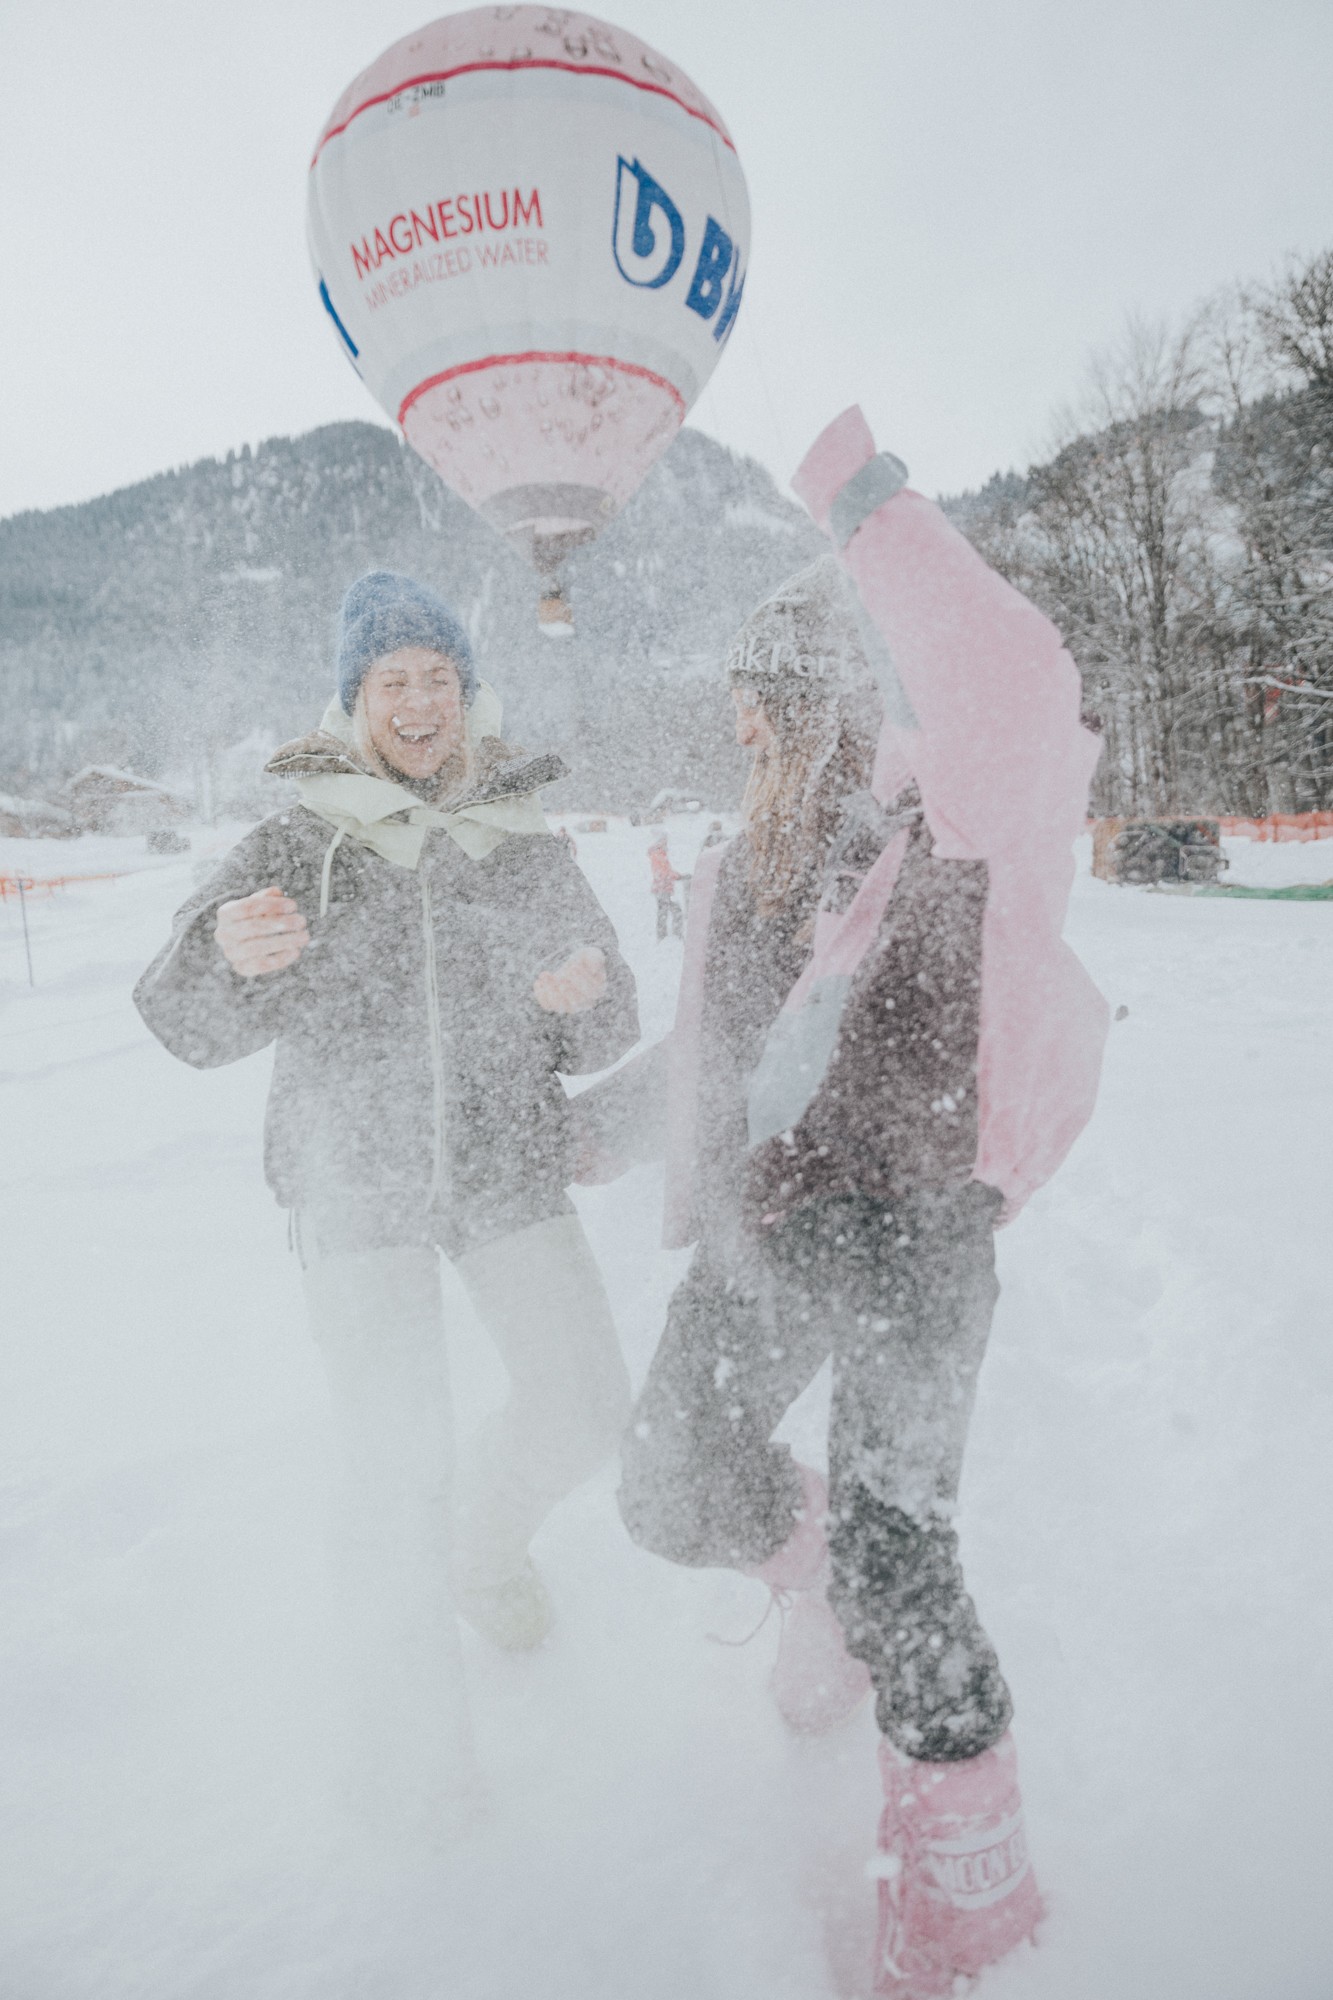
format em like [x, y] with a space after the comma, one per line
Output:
[500, 771]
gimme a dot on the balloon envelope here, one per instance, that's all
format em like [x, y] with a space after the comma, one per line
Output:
[530, 232]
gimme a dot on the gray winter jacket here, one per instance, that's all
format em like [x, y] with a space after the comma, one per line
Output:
[416, 1089]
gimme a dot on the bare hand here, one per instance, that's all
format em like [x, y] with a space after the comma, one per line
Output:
[579, 983]
[262, 933]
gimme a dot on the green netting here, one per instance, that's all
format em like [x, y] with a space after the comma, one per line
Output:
[1297, 892]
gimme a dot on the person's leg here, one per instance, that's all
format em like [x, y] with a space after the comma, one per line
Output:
[539, 1295]
[702, 1481]
[909, 1293]
[662, 918]
[376, 1320]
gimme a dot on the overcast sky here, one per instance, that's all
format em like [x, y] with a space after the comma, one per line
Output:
[955, 202]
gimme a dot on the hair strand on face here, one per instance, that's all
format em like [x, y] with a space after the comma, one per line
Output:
[822, 751]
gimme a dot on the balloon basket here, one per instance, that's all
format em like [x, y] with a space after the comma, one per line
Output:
[554, 616]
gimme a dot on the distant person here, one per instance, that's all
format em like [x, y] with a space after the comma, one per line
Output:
[429, 962]
[664, 880]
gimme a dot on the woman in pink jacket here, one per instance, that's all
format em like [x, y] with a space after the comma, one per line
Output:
[930, 1067]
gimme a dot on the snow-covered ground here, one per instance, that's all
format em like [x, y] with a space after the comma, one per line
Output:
[1263, 864]
[1144, 1517]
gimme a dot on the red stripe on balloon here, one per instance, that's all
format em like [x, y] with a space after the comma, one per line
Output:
[466, 69]
[513, 361]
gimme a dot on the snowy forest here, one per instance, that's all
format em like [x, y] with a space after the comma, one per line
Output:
[1180, 534]
[1181, 537]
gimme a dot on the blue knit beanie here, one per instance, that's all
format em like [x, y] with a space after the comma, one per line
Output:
[383, 611]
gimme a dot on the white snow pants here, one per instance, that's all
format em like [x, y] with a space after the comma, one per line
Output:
[540, 1296]
[409, 1520]
[375, 1316]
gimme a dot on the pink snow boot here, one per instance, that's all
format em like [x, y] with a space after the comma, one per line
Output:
[956, 1890]
[815, 1682]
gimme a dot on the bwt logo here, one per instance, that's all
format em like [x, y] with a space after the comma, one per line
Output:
[649, 243]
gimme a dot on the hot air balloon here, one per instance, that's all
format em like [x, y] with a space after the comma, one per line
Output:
[530, 232]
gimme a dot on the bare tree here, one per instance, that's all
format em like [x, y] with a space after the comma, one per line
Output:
[1295, 320]
[1181, 535]
[1115, 543]
[1275, 470]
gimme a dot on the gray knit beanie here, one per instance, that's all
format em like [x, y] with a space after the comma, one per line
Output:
[805, 635]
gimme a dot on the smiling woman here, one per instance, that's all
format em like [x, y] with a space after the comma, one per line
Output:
[392, 627]
[429, 961]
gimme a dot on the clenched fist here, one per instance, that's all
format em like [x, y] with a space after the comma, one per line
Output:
[261, 933]
[580, 982]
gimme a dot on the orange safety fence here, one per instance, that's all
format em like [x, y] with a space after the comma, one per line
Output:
[1276, 826]
[1281, 826]
[48, 884]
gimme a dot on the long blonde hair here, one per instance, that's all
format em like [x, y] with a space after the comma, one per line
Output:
[802, 655]
[822, 750]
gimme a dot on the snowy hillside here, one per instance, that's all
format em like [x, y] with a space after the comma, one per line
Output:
[1143, 1517]
[161, 624]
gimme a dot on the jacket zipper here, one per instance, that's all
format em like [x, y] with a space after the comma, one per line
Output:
[435, 1033]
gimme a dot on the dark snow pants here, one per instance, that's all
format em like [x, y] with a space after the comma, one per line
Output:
[902, 1298]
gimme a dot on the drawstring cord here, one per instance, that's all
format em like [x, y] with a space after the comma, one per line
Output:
[890, 1868]
[327, 876]
[778, 1599]
[436, 1036]
[897, 1868]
